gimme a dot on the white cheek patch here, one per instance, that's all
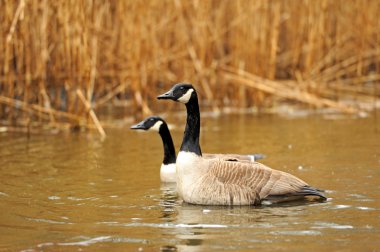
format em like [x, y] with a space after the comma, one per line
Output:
[186, 97]
[156, 126]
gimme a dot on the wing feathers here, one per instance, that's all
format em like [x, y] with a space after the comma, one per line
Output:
[250, 181]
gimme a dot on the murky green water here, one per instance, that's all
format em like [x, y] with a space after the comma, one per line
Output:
[72, 192]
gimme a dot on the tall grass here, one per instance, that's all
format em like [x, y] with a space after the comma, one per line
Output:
[63, 60]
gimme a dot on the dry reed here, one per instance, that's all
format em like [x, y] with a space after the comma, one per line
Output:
[63, 60]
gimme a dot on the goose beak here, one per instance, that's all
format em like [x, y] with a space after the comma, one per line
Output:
[167, 96]
[138, 126]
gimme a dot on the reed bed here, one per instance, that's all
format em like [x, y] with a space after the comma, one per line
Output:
[63, 61]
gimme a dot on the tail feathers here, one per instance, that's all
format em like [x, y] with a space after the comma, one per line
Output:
[311, 191]
[300, 195]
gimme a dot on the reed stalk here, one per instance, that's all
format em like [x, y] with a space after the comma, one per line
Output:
[63, 61]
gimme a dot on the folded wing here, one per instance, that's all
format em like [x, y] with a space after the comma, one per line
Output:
[254, 182]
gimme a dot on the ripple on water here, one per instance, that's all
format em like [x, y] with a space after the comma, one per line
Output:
[54, 197]
[82, 199]
[4, 194]
[296, 232]
[321, 225]
[365, 208]
[356, 195]
[164, 225]
[49, 221]
[86, 241]
[341, 207]
[360, 197]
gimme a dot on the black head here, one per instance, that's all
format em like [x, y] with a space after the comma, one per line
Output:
[149, 123]
[181, 92]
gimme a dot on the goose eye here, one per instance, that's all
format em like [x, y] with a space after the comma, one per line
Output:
[181, 88]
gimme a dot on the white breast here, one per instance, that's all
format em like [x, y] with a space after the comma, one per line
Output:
[189, 167]
[168, 173]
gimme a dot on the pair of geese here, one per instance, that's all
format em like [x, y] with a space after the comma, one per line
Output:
[219, 179]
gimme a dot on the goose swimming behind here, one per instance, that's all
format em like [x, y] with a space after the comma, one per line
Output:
[168, 168]
[218, 181]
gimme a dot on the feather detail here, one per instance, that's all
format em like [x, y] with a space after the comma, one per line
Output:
[245, 183]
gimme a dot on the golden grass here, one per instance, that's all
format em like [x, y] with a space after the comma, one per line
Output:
[62, 60]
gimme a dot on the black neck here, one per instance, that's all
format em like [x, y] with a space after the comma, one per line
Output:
[169, 150]
[190, 141]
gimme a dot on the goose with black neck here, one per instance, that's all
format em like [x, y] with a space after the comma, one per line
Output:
[168, 169]
[168, 166]
[220, 181]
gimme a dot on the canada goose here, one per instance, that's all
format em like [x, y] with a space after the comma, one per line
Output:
[226, 182]
[168, 170]
[168, 166]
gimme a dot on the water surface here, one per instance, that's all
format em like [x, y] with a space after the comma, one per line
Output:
[73, 192]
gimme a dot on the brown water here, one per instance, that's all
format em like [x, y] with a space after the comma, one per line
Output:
[73, 192]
